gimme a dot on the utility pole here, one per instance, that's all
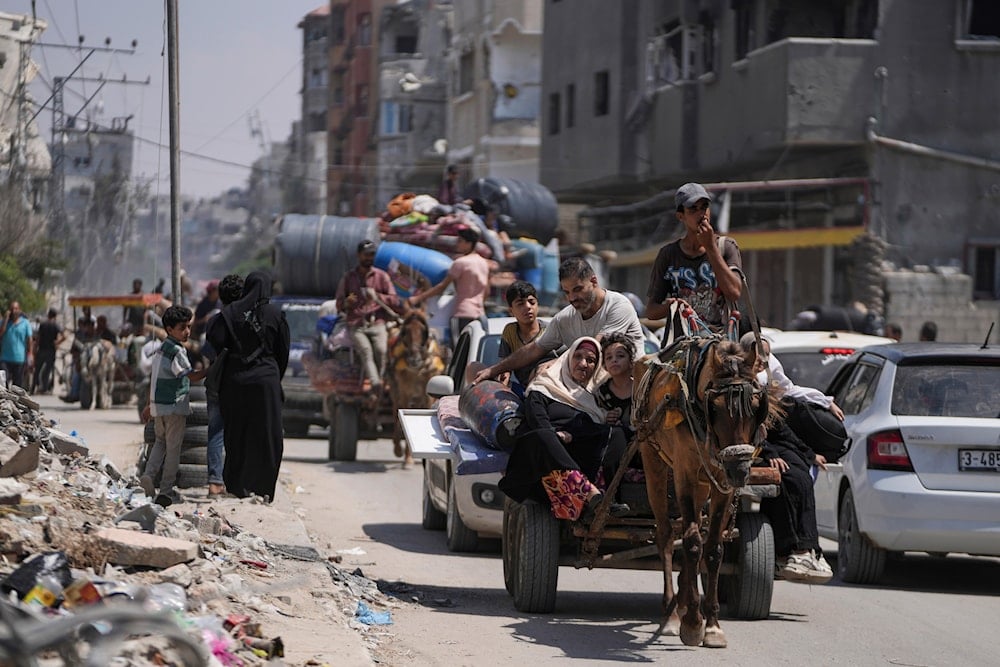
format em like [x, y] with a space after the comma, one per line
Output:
[174, 105]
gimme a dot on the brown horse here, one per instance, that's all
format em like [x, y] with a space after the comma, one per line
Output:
[698, 409]
[414, 357]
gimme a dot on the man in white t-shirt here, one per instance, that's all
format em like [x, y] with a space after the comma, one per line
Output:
[592, 311]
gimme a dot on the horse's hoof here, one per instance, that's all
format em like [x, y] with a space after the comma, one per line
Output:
[408, 463]
[397, 449]
[672, 628]
[693, 635]
[714, 638]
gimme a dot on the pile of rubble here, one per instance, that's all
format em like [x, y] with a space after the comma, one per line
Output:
[75, 532]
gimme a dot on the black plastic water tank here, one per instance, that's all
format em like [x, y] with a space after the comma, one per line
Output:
[312, 252]
[531, 206]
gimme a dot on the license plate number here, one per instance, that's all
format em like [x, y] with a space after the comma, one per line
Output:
[979, 459]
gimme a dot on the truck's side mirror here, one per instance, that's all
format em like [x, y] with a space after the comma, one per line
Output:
[440, 385]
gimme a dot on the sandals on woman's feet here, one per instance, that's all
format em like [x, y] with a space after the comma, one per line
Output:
[590, 509]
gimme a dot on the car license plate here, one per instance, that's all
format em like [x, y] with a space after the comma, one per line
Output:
[979, 459]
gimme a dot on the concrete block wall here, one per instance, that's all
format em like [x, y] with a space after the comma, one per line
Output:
[945, 298]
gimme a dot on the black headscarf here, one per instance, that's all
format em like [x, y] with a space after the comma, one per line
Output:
[245, 316]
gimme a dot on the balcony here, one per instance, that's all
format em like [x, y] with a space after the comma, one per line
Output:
[796, 92]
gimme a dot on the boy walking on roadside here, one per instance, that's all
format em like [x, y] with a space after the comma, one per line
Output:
[168, 405]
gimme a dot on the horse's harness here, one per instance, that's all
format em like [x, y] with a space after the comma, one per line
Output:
[686, 360]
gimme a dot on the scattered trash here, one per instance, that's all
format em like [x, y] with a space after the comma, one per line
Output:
[369, 617]
[355, 551]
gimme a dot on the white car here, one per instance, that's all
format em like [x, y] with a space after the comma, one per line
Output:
[812, 358]
[923, 469]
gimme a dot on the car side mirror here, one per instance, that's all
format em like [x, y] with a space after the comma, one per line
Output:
[440, 385]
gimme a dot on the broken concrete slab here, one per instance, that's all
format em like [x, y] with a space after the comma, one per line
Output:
[64, 443]
[25, 460]
[131, 548]
[11, 491]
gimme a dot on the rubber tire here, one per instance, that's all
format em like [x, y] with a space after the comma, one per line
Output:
[432, 518]
[748, 592]
[460, 538]
[193, 435]
[858, 560]
[508, 543]
[295, 428]
[197, 393]
[344, 433]
[537, 562]
[195, 455]
[86, 394]
[192, 475]
[199, 414]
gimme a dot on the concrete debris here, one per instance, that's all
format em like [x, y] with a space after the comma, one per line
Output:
[224, 585]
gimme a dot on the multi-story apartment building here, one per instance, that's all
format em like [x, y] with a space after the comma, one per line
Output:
[351, 155]
[823, 121]
[411, 95]
[495, 78]
[309, 155]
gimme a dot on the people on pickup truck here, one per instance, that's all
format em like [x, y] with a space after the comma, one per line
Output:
[559, 457]
[592, 311]
[522, 300]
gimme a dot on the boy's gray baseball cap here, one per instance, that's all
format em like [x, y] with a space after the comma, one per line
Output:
[688, 195]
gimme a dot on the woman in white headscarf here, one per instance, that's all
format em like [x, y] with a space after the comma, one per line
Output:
[558, 459]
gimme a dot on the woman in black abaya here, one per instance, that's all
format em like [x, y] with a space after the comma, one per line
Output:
[255, 334]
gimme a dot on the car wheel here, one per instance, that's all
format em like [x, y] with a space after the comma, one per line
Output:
[749, 589]
[433, 518]
[344, 433]
[858, 560]
[460, 538]
[537, 562]
[508, 543]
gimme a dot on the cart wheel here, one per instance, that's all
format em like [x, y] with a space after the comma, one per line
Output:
[508, 543]
[460, 537]
[858, 560]
[748, 591]
[433, 518]
[86, 394]
[537, 560]
[344, 433]
[295, 428]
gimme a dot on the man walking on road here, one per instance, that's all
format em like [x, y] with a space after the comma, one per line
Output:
[15, 344]
[50, 337]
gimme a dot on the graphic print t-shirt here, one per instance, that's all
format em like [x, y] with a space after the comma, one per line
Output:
[678, 275]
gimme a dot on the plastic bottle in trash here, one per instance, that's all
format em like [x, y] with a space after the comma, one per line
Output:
[45, 593]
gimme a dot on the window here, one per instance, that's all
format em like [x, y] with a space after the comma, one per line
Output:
[396, 118]
[406, 43]
[364, 29]
[317, 77]
[707, 40]
[465, 72]
[337, 88]
[570, 105]
[985, 271]
[338, 153]
[681, 52]
[602, 102]
[856, 394]
[316, 122]
[337, 24]
[980, 20]
[745, 34]
[361, 99]
[554, 113]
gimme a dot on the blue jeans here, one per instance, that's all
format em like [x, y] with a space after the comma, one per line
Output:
[216, 448]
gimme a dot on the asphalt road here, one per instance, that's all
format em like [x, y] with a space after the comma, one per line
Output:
[928, 611]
